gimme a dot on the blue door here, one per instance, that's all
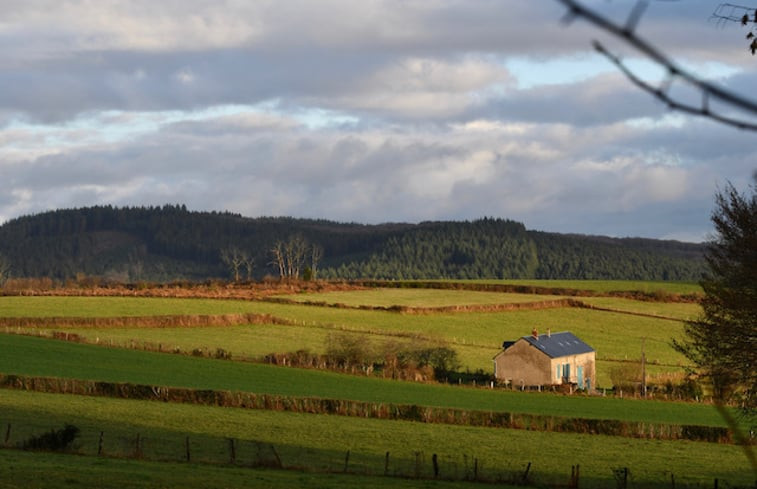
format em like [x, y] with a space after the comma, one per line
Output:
[580, 375]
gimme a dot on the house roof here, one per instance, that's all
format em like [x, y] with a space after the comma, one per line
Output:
[558, 345]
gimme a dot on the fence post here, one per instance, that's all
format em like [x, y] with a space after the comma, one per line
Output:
[525, 474]
[7, 434]
[138, 447]
[346, 461]
[100, 444]
[435, 461]
[232, 452]
[386, 464]
[475, 469]
[189, 455]
[278, 459]
[417, 465]
[672, 481]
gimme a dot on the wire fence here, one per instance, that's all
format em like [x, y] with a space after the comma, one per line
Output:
[157, 445]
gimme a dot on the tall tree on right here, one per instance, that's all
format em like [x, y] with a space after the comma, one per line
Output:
[722, 342]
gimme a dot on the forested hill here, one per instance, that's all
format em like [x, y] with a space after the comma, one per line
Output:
[170, 243]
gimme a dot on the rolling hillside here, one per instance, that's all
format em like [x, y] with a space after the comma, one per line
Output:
[170, 243]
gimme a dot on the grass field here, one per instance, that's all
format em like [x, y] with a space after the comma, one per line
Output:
[50, 358]
[476, 336]
[319, 441]
[322, 441]
[601, 286]
[25, 470]
[418, 297]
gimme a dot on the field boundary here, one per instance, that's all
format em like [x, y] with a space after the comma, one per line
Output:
[363, 409]
[160, 321]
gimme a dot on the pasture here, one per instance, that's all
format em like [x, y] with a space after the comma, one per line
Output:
[476, 335]
[49, 358]
[319, 442]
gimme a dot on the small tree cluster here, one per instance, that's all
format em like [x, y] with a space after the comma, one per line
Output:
[296, 257]
[346, 352]
[237, 261]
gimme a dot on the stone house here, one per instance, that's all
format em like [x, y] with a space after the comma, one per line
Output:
[546, 360]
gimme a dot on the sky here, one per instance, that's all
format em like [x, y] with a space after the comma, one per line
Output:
[367, 111]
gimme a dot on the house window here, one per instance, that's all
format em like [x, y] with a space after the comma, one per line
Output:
[559, 371]
[566, 371]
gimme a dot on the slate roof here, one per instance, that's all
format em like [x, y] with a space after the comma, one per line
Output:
[559, 344]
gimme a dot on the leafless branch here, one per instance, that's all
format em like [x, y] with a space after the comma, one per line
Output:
[728, 12]
[710, 92]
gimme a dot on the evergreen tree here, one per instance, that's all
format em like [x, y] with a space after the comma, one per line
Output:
[722, 343]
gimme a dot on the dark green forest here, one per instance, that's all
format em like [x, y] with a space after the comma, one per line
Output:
[167, 243]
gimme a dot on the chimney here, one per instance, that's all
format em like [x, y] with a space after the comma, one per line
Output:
[549, 333]
[535, 333]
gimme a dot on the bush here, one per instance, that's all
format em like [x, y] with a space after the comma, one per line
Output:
[54, 441]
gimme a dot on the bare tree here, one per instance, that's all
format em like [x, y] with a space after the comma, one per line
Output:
[296, 251]
[289, 256]
[235, 259]
[316, 253]
[745, 109]
[278, 257]
[5, 269]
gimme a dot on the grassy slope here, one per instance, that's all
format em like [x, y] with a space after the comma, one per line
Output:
[477, 336]
[321, 441]
[605, 286]
[25, 470]
[40, 357]
[418, 297]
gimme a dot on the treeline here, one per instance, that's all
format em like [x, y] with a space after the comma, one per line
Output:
[349, 353]
[168, 243]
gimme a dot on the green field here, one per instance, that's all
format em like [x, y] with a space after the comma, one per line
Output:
[476, 336]
[322, 442]
[49, 358]
[25, 470]
[418, 297]
[599, 286]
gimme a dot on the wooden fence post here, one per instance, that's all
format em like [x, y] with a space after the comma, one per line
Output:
[100, 444]
[138, 447]
[186, 446]
[435, 461]
[386, 464]
[346, 461]
[232, 452]
[525, 474]
[475, 469]
[7, 434]
[278, 459]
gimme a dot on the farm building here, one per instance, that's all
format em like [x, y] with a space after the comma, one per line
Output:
[546, 360]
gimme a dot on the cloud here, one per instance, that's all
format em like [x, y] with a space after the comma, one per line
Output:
[371, 111]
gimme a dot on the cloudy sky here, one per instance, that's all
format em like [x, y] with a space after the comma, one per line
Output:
[366, 111]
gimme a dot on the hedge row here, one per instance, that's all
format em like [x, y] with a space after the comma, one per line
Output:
[168, 321]
[342, 407]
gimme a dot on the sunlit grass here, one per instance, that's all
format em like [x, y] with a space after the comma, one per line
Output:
[387, 297]
[322, 441]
